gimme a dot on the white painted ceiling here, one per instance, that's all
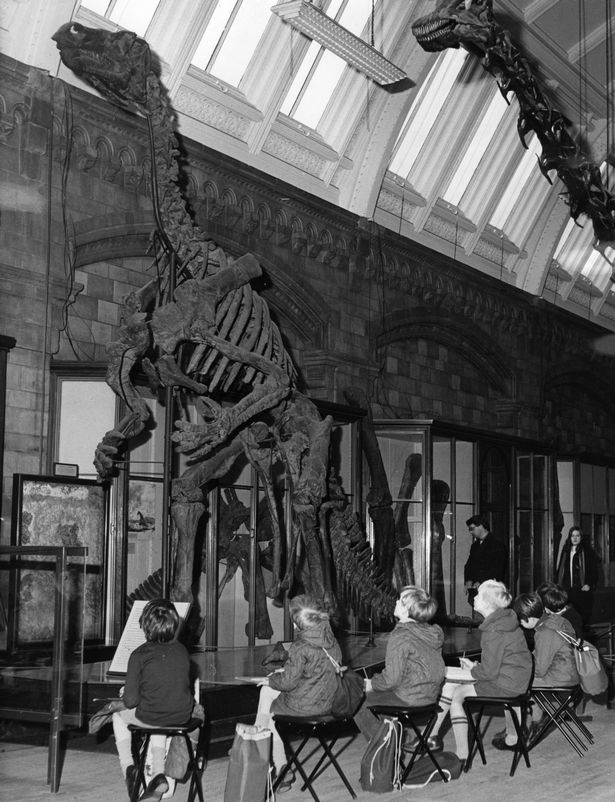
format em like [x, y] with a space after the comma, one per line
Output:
[438, 161]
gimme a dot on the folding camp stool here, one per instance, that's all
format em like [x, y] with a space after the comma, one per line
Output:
[326, 730]
[195, 756]
[558, 704]
[508, 703]
[409, 718]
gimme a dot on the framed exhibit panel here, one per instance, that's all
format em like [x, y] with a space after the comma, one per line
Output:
[57, 511]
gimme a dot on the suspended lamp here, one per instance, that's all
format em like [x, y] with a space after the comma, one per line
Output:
[307, 18]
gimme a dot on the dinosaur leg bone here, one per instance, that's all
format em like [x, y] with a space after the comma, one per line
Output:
[187, 507]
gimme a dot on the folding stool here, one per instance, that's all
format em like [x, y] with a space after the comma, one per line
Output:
[326, 730]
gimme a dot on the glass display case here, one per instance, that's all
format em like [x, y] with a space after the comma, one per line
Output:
[439, 475]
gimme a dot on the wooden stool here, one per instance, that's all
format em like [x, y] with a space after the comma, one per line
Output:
[407, 716]
[195, 762]
[327, 730]
[508, 703]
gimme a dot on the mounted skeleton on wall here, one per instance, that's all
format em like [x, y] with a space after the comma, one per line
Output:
[470, 24]
[212, 340]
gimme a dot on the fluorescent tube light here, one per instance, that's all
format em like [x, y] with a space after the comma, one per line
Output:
[310, 20]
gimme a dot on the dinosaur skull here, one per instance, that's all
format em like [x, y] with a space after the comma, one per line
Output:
[116, 64]
[454, 23]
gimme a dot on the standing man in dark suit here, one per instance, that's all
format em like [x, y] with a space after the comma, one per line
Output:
[488, 557]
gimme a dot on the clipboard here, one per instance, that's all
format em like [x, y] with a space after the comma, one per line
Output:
[133, 636]
[458, 674]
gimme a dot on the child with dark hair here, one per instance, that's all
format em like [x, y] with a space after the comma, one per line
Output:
[554, 664]
[553, 657]
[306, 685]
[157, 692]
[555, 601]
[413, 666]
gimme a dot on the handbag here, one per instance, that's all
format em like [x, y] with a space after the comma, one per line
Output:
[349, 693]
[248, 777]
[592, 676]
[381, 761]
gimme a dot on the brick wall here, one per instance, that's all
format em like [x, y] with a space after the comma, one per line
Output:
[356, 305]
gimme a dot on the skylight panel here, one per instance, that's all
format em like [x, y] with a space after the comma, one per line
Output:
[576, 254]
[575, 251]
[130, 15]
[425, 109]
[518, 181]
[476, 149]
[522, 219]
[570, 245]
[321, 70]
[231, 37]
[596, 268]
[317, 90]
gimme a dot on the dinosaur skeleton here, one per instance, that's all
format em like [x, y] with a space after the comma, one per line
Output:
[471, 25]
[211, 339]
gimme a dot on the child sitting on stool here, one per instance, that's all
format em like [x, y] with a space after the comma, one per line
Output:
[413, 665]
[505, 668]
[307, 683]
[157, 693]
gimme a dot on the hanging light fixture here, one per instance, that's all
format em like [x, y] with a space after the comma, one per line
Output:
[311, 21]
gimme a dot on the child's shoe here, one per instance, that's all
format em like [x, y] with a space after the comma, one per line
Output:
[155, 789]
[131, 779]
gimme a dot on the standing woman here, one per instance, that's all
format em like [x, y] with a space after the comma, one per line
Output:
[577, 572]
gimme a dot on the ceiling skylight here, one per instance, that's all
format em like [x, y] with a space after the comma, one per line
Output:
[425, 109]
[476, 149]
[525, 171]
[231, 38]
[575, 250]
[125, 13]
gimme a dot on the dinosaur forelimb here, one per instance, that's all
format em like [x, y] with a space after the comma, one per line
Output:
[109, 447]
[171, 375]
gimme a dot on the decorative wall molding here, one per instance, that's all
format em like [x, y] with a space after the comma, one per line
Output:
[287, 150]
[214, 114]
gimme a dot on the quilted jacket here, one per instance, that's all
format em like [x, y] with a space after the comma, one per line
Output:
[308, 680]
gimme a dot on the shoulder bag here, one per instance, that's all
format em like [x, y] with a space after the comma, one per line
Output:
[592, 675]
[381, 761]
[424, 772]
[349, 693]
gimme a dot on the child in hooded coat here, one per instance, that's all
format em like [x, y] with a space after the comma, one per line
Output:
[413, 669]
[306, 685]
[505, 668]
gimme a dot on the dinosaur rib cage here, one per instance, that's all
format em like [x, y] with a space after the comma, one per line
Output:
[242, 319]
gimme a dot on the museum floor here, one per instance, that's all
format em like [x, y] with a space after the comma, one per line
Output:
[92, 774]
